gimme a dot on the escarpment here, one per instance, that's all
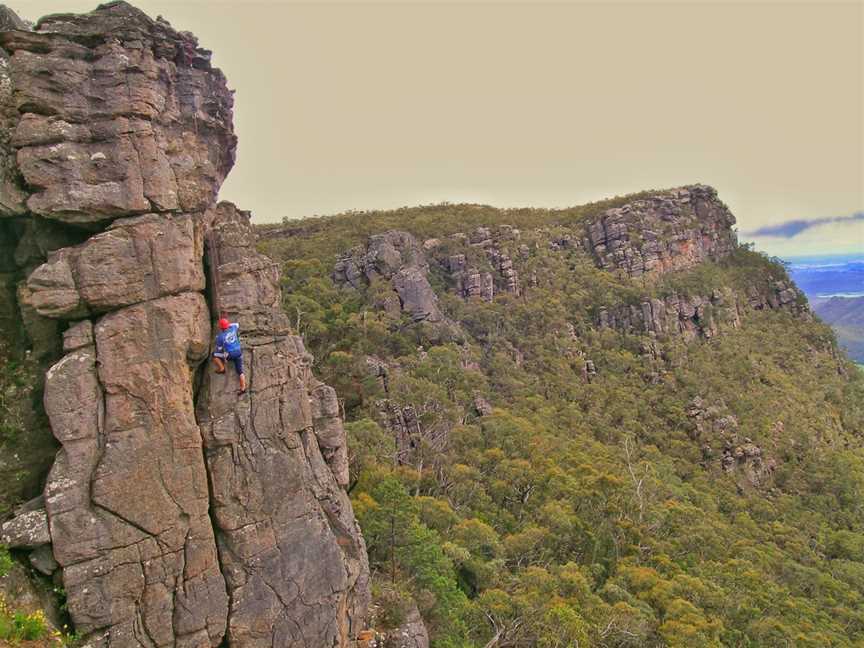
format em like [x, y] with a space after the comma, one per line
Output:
[635, 402]
[657, 269]
[646, 241]
[668, 231]
[179, 512]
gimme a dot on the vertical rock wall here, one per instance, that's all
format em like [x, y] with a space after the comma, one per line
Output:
[179, 512]
[294, 562]
[671, 230]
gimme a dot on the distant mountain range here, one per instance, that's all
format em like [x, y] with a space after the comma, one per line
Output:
[835, 287]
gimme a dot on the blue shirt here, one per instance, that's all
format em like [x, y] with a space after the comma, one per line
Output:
[228, 341]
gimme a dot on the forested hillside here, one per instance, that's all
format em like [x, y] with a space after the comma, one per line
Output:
[601, 426]
[846, 317]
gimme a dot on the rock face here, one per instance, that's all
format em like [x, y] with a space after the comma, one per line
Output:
[397, 258]
[293, 558]
[179, 512]
[119, 115]
[669, 231]
[134, 260]
[135, 568]
[698, 316]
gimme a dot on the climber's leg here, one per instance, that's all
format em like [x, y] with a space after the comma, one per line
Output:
[238, 366]
[220, 364]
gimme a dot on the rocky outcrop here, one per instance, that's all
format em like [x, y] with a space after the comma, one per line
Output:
[394, 257]
[722, 444]
[179, 512]
[472, 281]
[411, 634]
[404, 425]
[699, 316]
[672, 230]
[689, 317]
[777, 295]
[118, 115]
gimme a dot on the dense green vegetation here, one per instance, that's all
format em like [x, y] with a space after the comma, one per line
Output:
[27, 447]
[846, 317]
[16, 627]
[588, 513]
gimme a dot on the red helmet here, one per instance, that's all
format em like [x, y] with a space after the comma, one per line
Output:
[224, 324]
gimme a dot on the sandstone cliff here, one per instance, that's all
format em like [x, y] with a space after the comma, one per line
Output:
[179, 512]
[644, 240]
[668, 231]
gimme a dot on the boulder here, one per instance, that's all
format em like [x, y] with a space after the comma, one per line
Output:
[42, 559]
[26, 531]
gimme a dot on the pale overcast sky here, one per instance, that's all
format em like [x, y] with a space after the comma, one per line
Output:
[360, 106]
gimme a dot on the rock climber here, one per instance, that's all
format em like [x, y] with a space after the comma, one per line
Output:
[228, 348]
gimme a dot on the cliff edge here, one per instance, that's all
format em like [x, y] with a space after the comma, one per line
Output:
[178, 512]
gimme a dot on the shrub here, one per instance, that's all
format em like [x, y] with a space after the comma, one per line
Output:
[5, 561]
[18, 626]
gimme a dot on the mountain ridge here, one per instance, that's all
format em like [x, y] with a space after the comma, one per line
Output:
[538, 368]
[609, 424]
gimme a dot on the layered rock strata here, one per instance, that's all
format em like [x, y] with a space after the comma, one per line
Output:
[117, 114]
[672, 230]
